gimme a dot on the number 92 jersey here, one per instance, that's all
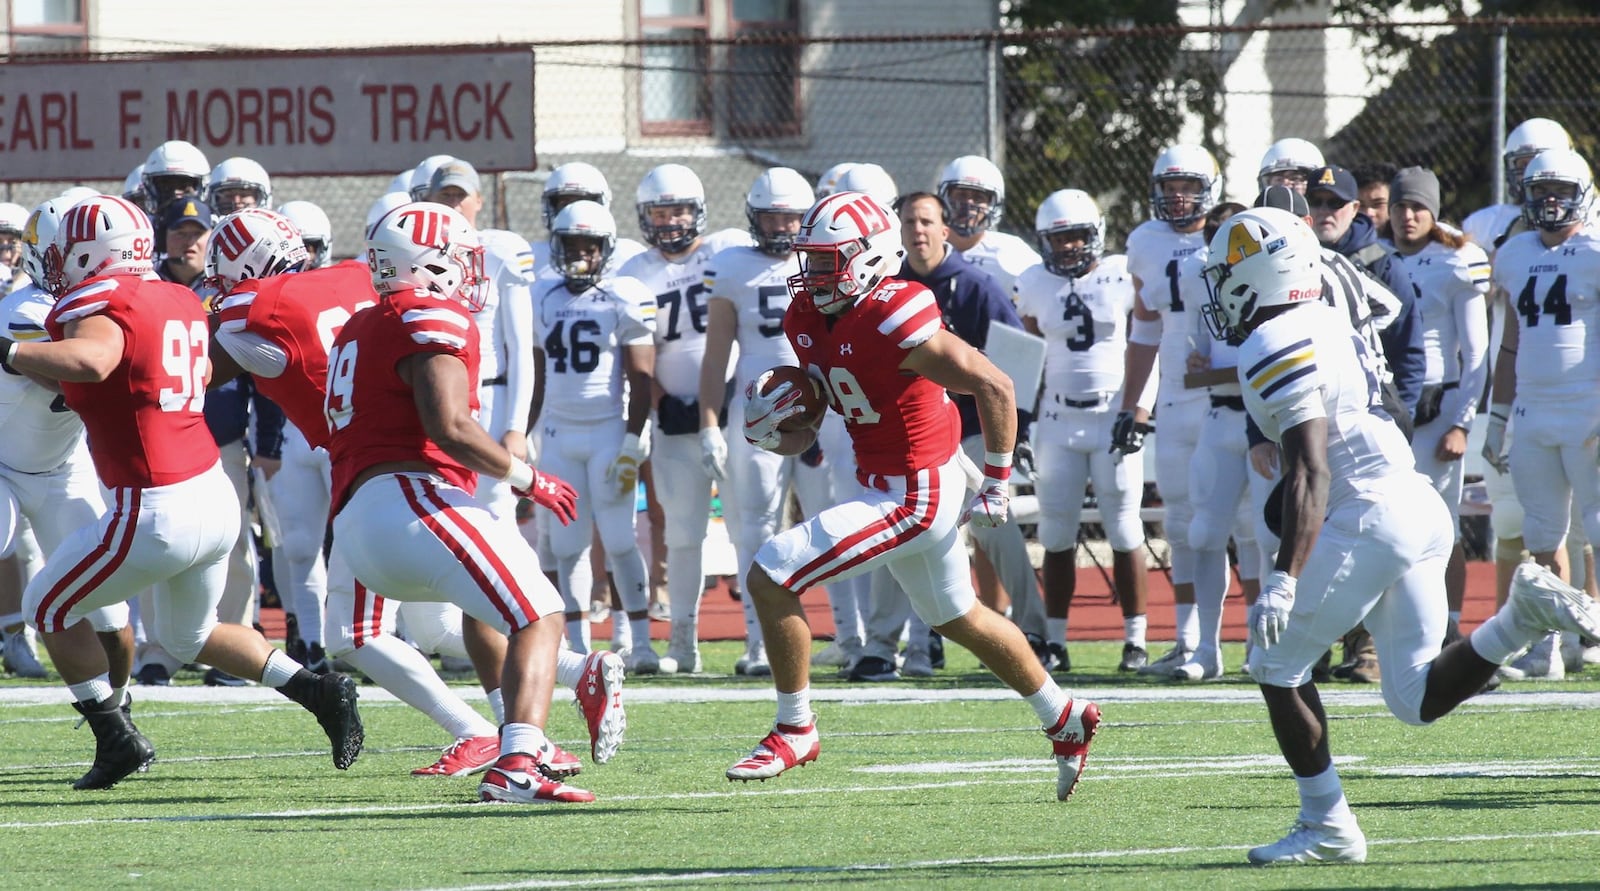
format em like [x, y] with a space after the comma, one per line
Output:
[1155, 257]
[757, 284]
[1084, 321]
[580, 335]
[1308, 363]
[680, 290]
[1553, 291]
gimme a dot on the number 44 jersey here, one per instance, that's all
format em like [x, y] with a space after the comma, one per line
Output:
[899, 422]
[581, 336]
[1553, 291]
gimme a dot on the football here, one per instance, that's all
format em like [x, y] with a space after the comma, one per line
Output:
[810, 396]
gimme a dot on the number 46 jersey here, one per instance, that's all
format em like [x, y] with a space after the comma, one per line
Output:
[580, 335]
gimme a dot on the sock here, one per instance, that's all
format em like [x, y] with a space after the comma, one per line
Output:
[1322, 799]
[1188, 626]
[1133, 628]
[621, 632]
[1498, 638]
[497, 707]
[1455, 617]
[279, 669]
[640, 629]
[569, 668]
[1056, 628]
[119, 695]
[524, 738]
[794, 709]
[1048, 702]
[95, 689]
[752, 623]
[400, 669]
[578, 634]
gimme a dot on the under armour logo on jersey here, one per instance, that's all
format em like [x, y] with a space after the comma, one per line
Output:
[844, 349]
[1569, 252]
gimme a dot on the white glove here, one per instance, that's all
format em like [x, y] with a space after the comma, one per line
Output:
[1269, 615]
[1494, 441]
[714, 453]
[624, 470]
[763, 413]
[988, 507]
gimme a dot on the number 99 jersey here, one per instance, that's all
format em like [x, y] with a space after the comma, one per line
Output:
[146, 421]
[580, 335]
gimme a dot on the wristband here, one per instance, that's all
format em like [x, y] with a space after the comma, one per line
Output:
[7, 353]
[521, 475]
[997, 465]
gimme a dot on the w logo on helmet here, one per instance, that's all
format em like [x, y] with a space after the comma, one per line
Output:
[868, 215]
[428, 228]
[233, 239]
[81, 222]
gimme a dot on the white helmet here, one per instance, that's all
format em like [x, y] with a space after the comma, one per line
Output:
[1260, 258]
[103, 235]
[315, 230]
[1553, 212]
[1065, 211]
[386, 202]
[174, 158]
[253, 243]
[422, 246]
[776, 190]
[863, 238]
[828, 182]
[978, 173]
[1292, 156]
[671, 185]
[238, 175]
[133, 187]
[39, 235]
[582, 219]
[422, 175]
[577, 180]
[871, 179]
[1531, 137]
[13, 218]
[400, 182]
[75, 194]
[1184, 161]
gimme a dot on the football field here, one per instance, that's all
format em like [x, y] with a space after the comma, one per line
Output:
[944, 782]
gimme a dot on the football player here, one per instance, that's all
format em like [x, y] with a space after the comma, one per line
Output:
[975, 191]
[1289, 162]
[1365, 537]
[885, 361]
[237, 183]
[577, 181]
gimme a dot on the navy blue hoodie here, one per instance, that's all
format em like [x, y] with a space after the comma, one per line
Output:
[1402, 340]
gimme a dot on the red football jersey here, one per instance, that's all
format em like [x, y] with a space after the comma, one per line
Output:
[301, 313]
[146, 422]
[370, 410]
[899, 422]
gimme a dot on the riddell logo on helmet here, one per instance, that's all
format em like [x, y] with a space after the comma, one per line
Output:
[1298, 294]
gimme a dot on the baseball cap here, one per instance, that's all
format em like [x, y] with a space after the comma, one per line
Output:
[186, 210]
[456, 173]
[1334, 179]
[1284, 198]
[1417, 184]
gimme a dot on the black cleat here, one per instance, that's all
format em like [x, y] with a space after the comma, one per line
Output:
[332, 698]
[1134, 658]
[119, 748]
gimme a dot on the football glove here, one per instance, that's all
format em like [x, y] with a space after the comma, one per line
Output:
[1494, 441]
[714, 453]
[624, 470]
[553, 494]
[1269, 615]
[1127, 434]
[764, 412]
[1022, 463]
[988, 508]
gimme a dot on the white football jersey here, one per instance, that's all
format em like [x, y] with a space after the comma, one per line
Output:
[1085, 325]
[757, 284]
[582, 336]
[1155, 257]
[1003, 256]
[1553, 291]
[1220, 353]
[508, 263]
[680, 289]
[40, 431]
[1307, 363]
[1488, 225]
[1449, 285]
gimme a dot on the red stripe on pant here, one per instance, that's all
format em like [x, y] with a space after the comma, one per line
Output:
[449, 539]
[922, 505]
[116, 542]
[368, 619]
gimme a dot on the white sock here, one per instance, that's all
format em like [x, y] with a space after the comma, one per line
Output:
[95, 689]
[1188, 626]
[1056, 629]
[569, 668]
[1048, 702]
[119, 695]
[794, 709]
[578, 634]
[1322, 800]
[524, 738]
[1498, 638]
[640, 629]
[279, 670]
[497, 706]
[1133, 628]
[458, 719]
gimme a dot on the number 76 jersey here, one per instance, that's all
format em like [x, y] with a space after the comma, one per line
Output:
[1555, 292]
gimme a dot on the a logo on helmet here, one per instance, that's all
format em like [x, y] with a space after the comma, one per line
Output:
[1242, 243]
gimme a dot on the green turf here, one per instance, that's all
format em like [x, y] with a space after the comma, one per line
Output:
[960, 793]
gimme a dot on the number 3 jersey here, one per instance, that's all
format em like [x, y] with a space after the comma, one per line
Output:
[146, 421]
[1308, 363]
[679, 287]
[1553, 292]
[900, 422]
[1084, 321]
[580, 335]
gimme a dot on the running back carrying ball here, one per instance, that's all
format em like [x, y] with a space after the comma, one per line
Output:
[808, 395]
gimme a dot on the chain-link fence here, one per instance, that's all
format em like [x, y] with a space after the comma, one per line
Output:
[1086, 109]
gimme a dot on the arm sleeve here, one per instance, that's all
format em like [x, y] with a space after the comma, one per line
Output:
[1472, 333]
[254, 353]
[516, 331]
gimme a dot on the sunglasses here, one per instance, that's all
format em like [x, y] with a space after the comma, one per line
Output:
[1331, 203]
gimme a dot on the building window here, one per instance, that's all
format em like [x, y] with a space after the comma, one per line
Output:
[763, 81]
[674, 93]
[48, 26]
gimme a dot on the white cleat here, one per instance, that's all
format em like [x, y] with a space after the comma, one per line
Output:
[1540, 601]
[785, 747]
[19, 656]
[831, 656]
[1307, 843]
[642, 659]
[917, 664]
[1542, 662]
[754, 662]
[1169, 660]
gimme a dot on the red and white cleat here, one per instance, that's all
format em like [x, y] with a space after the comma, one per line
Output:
[785, 747]
[558, 763]
[517, 778]
[600, 702]
[1071, 736]
[467, 755]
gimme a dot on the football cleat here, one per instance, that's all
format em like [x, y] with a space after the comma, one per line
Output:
[871, 669]
[918, 664]
[1309, 843]
[519, 778]
[467, 755]
[599, 700]
[332, 698]
[683, 650]
[558, 763]
[1542, 662]
[17, 653]
[754, 662]
[1539, 601]
[785, 747]
[831, 656]
[1134, 657]
[119, 748]
[642, 659]
[1071, 736]
[1169, 660]
[1202, 666]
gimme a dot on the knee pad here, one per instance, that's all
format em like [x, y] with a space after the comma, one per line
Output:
[109, 618]
[301, 541]
[1182, 559]
[1206, 533]
[1126, 534]
[1509, 550]
[1057, 535]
